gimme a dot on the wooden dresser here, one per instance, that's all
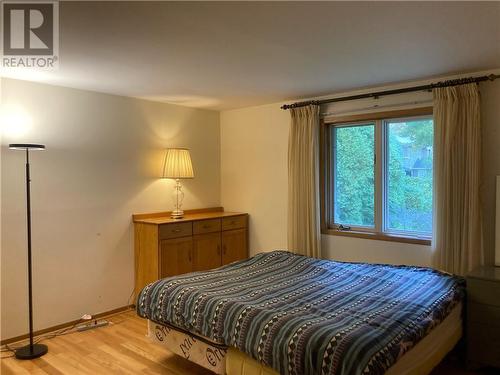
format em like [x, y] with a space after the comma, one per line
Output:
[483, 317]
[201, 240]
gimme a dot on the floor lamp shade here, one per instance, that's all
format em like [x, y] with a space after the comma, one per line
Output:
[31, 350]
[178, 165]
[26, 146]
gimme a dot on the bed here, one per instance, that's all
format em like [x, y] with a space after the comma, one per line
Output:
[284, 313]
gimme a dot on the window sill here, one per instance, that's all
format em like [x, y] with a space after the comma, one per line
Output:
[377, 236]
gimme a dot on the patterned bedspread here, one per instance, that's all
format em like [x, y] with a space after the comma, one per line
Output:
[302, 315]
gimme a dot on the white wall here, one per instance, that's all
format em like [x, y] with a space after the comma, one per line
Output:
[254, 171]
[254, 174]
[103, 159]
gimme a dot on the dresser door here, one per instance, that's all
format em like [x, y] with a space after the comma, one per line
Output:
[176, 256]
[206, 251]
[234, 245]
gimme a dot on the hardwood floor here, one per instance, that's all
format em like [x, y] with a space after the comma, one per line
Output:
[123, 348]
[120, 348]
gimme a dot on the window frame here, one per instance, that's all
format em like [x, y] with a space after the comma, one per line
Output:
[356, 228]
[380, 120]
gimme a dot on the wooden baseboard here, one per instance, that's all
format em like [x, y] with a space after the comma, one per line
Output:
[65, 325]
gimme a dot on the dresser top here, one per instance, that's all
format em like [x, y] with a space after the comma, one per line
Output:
[486, 273]
[187, 217]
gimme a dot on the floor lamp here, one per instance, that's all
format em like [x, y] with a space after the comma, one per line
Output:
[32, 350]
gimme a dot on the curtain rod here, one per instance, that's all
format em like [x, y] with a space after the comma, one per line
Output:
[377, 94]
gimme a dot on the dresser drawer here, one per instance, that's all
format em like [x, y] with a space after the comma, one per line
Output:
[206, 226]
[175, 230]
[483, 344]
[484, 314]
[234, 222]
[483, 291]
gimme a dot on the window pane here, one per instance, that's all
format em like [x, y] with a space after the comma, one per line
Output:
[409, 174]
[354, 177]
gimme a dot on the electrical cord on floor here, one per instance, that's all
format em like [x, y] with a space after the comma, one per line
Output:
[6, 356]
[62, 332]
[8, 348]
[115, 322]
[51, 335]
[5, 350]
[130, 298]
[38, 339]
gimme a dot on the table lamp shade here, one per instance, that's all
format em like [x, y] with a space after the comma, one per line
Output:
[177, 164]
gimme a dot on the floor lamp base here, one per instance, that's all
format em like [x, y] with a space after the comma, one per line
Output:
[30, 352]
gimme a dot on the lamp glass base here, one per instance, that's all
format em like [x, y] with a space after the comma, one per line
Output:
[177, 214]
[30, 352]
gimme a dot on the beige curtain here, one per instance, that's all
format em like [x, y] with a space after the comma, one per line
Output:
[457, 242]
[304, 235]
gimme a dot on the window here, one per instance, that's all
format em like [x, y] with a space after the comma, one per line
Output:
[408, 199]
[354, 175]
[378, 175]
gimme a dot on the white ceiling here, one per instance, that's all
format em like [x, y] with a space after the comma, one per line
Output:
[228, 55]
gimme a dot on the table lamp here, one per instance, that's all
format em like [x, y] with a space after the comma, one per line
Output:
[178, 166]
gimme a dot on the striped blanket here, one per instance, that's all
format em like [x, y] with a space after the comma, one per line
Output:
[301, 315]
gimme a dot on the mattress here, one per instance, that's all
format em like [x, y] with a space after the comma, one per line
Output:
[301, 315]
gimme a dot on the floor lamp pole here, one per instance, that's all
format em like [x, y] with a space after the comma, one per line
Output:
[28, 219]
[32, 350]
